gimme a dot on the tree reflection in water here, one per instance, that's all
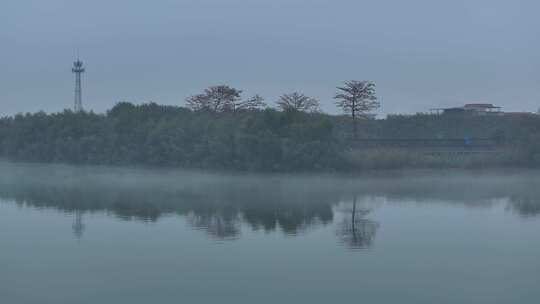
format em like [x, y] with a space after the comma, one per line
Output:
[222, 205]
[356, 231]
[78, 225]
[218, 226]
[526, 204]
[220, 213]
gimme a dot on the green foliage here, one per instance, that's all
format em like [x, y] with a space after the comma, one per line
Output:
[155, 135]
[402, 159]
[260, 140]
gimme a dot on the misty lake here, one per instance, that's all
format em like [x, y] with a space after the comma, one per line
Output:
[114, 235]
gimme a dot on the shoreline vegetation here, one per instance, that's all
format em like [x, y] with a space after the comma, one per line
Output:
[221, 131]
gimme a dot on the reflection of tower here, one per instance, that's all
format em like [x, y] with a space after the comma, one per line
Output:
[78, 69]
[78, 226]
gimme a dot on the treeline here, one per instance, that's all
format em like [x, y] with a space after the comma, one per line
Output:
[218, 129]
[157, 135]
[221, 130]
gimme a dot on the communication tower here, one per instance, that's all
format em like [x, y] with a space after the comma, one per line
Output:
[78, 69]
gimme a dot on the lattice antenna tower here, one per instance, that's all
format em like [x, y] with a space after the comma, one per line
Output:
[78, 69]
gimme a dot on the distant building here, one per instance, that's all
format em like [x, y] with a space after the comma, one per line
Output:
[471, 108]
[481, 109]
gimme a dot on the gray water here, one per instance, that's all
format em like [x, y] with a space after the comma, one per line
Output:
[110, 235]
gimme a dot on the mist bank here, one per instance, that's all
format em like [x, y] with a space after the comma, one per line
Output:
[265, 140]
[291, 201]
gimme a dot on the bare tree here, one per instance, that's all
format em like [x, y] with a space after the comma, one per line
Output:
[358, 99]
[253, 103]
[298, 102]
[219, 98]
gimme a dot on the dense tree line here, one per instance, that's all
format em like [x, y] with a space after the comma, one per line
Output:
[152, 134]
[220, 129]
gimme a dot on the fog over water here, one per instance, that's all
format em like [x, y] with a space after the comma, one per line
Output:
[288, 202]
[90, 234]
[155, 235]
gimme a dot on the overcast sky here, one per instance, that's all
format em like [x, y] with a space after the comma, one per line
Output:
[420, 53]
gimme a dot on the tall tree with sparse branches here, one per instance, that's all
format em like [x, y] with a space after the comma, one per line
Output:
[219, 98]
[298, 102]
[357, 98]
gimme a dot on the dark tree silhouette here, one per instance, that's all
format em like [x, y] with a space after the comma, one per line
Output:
[358, 99]
[219, 98]
[298, 102]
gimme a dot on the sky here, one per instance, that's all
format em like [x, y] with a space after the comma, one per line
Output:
[421, 54]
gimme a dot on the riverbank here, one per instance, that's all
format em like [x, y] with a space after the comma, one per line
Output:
[152, 135]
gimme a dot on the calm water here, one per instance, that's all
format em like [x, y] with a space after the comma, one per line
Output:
[109, 235]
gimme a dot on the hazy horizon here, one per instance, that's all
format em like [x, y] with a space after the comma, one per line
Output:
[421, 54]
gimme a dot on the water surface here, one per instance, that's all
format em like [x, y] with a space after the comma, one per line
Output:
[110, 235]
